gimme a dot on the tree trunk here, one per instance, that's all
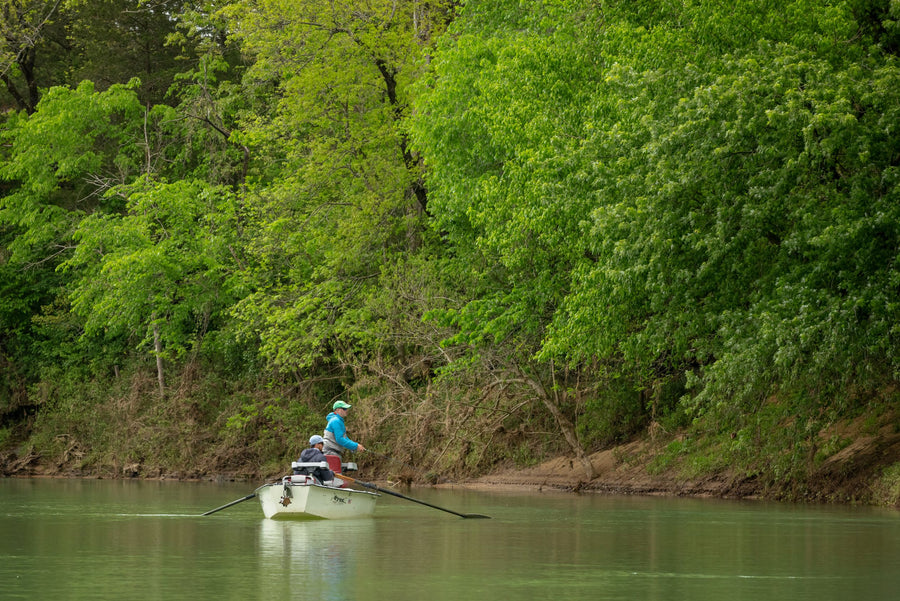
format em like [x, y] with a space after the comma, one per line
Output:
[157, 346]
[21, 42]
[564, 424]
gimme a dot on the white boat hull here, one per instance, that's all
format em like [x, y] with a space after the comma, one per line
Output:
[282, 501]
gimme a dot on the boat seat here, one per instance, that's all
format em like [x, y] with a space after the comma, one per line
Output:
[299, 479]
[296, 465]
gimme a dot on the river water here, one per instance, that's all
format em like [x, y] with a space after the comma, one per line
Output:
[133, 540]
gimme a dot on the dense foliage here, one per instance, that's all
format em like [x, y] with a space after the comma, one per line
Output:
[501, 228]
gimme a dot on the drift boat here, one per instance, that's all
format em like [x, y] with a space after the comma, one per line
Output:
[302, 497]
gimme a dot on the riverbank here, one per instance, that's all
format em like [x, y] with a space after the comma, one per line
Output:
[624, 469]
[865, 469]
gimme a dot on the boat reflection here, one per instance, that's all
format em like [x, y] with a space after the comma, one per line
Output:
[317, 557]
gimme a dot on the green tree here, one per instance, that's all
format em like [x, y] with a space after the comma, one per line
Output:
[56, 165]
[24, 27]
[46, 43]
[337, 201]
[727, 240]
[61, 160]
[113, 41]
[651, 188]
[160, 272]
[502, 126]
[70, 165]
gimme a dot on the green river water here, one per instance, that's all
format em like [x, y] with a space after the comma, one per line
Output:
[132, 540]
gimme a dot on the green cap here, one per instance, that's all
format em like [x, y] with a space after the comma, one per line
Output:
[340, 405]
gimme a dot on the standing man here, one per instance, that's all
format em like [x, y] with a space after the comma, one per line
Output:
[336, 440]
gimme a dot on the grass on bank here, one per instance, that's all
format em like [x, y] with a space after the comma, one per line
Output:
[886, 490]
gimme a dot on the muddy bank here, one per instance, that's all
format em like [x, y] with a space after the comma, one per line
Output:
[621, 470]
[851, 475]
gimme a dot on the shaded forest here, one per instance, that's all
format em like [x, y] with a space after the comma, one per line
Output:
[504, 231]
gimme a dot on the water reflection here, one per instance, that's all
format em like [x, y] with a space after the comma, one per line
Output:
[131, 540]
[317, 557]
[592, 547]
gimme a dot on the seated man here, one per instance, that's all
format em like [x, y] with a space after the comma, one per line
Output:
[314, 454]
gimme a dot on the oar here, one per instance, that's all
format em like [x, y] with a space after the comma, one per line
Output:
[227, 505]
[396, 494]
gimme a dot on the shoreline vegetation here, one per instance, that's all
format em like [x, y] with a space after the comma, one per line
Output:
[855, 461]
[859, 477]
[636, 246]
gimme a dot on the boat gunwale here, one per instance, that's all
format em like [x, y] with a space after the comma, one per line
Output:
[316, 485]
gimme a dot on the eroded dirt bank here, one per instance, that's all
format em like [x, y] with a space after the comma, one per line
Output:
[850, 475]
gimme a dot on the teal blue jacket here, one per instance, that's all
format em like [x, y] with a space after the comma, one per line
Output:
[336, 434]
